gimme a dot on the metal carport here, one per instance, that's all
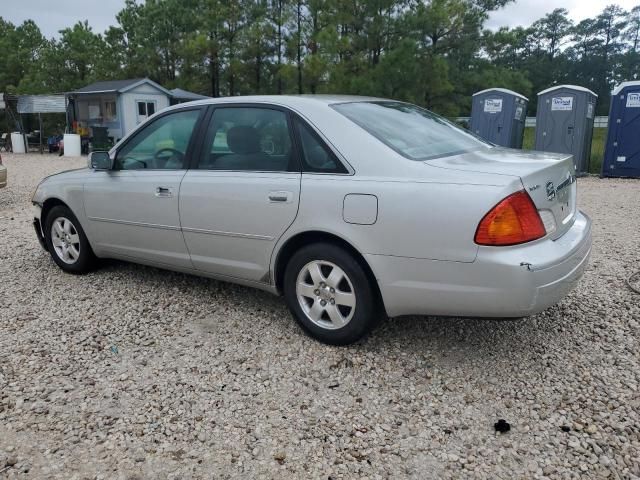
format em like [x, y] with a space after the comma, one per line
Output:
[39, 104]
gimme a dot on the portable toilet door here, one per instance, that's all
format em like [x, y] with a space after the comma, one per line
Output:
[564, 123]
[519, 121]
[622, 151]
[498, 115]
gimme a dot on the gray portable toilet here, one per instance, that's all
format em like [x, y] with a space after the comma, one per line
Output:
[498, 115]
[622, 151]
[564, 123]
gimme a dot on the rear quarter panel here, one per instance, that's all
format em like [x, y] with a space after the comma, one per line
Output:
[424, 211]
[416, 218]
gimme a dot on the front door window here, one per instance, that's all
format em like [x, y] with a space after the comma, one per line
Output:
[161, 145]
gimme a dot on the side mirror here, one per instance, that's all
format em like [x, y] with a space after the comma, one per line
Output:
[100, 161]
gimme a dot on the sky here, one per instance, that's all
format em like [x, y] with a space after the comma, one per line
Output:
[54, 15]
[525, 12]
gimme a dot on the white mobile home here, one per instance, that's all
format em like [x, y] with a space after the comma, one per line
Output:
[118, 105]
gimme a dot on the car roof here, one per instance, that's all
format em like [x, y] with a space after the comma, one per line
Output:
[285, 100]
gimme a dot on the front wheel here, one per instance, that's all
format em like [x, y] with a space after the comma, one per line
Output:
[330, 294]
[67, 242]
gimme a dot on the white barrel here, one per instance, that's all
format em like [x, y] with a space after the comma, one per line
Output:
[18, 142]
[71, 145]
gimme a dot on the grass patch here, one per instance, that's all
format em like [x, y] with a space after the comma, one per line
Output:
[597, 146]
[597, 149]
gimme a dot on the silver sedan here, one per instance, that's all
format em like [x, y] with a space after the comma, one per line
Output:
[352, 208]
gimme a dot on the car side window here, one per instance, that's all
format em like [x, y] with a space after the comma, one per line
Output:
[161, 145]
[248, 138]
[316, 155]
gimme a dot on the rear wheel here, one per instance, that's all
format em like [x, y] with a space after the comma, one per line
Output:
[330, 295]
[67, 242]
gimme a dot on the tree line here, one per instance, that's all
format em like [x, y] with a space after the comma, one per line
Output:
[434, 53]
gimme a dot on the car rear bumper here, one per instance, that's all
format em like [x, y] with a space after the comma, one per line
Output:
[502, 282]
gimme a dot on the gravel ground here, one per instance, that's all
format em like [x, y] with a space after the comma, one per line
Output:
[132, 372]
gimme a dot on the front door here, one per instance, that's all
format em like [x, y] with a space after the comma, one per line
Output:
[133, 209]
[243, 192]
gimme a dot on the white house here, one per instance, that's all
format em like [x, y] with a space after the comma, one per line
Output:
[118, 105]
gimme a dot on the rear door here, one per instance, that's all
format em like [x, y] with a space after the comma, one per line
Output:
[242, 192]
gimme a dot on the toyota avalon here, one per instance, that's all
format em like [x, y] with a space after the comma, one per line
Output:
[351, 208]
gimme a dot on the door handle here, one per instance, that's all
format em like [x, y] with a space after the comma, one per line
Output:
[283, 197]
[163, 192]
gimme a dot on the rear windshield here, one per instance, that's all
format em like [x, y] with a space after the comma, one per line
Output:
[411, 131]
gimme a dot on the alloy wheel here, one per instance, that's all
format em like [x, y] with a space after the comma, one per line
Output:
[65, 240]
[325, 294]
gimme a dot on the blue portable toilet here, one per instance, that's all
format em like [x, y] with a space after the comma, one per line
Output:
[498, 115]
[622, 151]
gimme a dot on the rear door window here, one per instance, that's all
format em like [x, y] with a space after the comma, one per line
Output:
[248, 138]
[316, 155]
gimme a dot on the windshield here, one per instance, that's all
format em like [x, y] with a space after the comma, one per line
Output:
[411, 131]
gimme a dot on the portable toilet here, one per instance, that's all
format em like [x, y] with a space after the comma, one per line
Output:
[622, 151]
[498, 115]
[564, 123]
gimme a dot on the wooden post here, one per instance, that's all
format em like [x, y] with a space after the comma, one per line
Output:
[40, 121]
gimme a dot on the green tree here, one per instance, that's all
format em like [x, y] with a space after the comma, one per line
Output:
[80, 51]
[632, 31]
[554, 30]
[22, 49]
[431, 52]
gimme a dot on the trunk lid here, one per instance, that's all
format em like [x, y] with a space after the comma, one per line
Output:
[548, 178]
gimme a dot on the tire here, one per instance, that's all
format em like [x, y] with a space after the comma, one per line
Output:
[68, 244]
[330, 295]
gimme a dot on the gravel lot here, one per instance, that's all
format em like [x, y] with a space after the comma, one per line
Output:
[132, 372]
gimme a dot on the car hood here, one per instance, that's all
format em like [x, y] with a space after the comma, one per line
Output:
[67, 173]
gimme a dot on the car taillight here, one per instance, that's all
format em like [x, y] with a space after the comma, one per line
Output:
[512, 221]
